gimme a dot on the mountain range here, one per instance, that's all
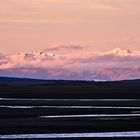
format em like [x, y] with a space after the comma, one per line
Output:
[117, 64]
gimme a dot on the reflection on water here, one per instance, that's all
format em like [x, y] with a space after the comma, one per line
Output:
[77, 135]
[83, 100]
[67, 107]
[74, 135]
[16, 107]
[92, 115]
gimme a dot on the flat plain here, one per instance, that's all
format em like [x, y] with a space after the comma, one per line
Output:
[49, 109]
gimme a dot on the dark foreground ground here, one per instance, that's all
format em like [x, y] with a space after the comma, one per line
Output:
[48, 107]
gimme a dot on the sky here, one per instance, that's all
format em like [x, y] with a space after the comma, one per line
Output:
[96, 25]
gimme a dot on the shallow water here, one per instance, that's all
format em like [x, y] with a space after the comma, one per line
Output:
[67, 107]
[16, 107]
[77, 135]
[22, 107]
[92, 115]
[74, 135]
[28, 99]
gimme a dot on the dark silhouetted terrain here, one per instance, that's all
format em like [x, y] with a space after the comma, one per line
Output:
[29, 106]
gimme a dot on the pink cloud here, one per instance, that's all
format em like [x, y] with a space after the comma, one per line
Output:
[64, 47]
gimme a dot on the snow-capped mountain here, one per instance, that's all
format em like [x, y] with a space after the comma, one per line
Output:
[117, 64]
[123, 52]
[32, 55]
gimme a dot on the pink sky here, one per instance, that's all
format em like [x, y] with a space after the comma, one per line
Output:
[96, 24]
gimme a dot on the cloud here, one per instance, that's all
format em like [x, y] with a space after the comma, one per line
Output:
[65, 47]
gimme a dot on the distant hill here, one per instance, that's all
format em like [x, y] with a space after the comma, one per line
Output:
[131, 81]
[28, 81]
[16, 79]
[6, 79]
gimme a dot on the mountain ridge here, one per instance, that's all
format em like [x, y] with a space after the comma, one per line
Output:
[117, 64]
[2, 78]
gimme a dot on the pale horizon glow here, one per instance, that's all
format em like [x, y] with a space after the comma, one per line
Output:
[97, 25]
